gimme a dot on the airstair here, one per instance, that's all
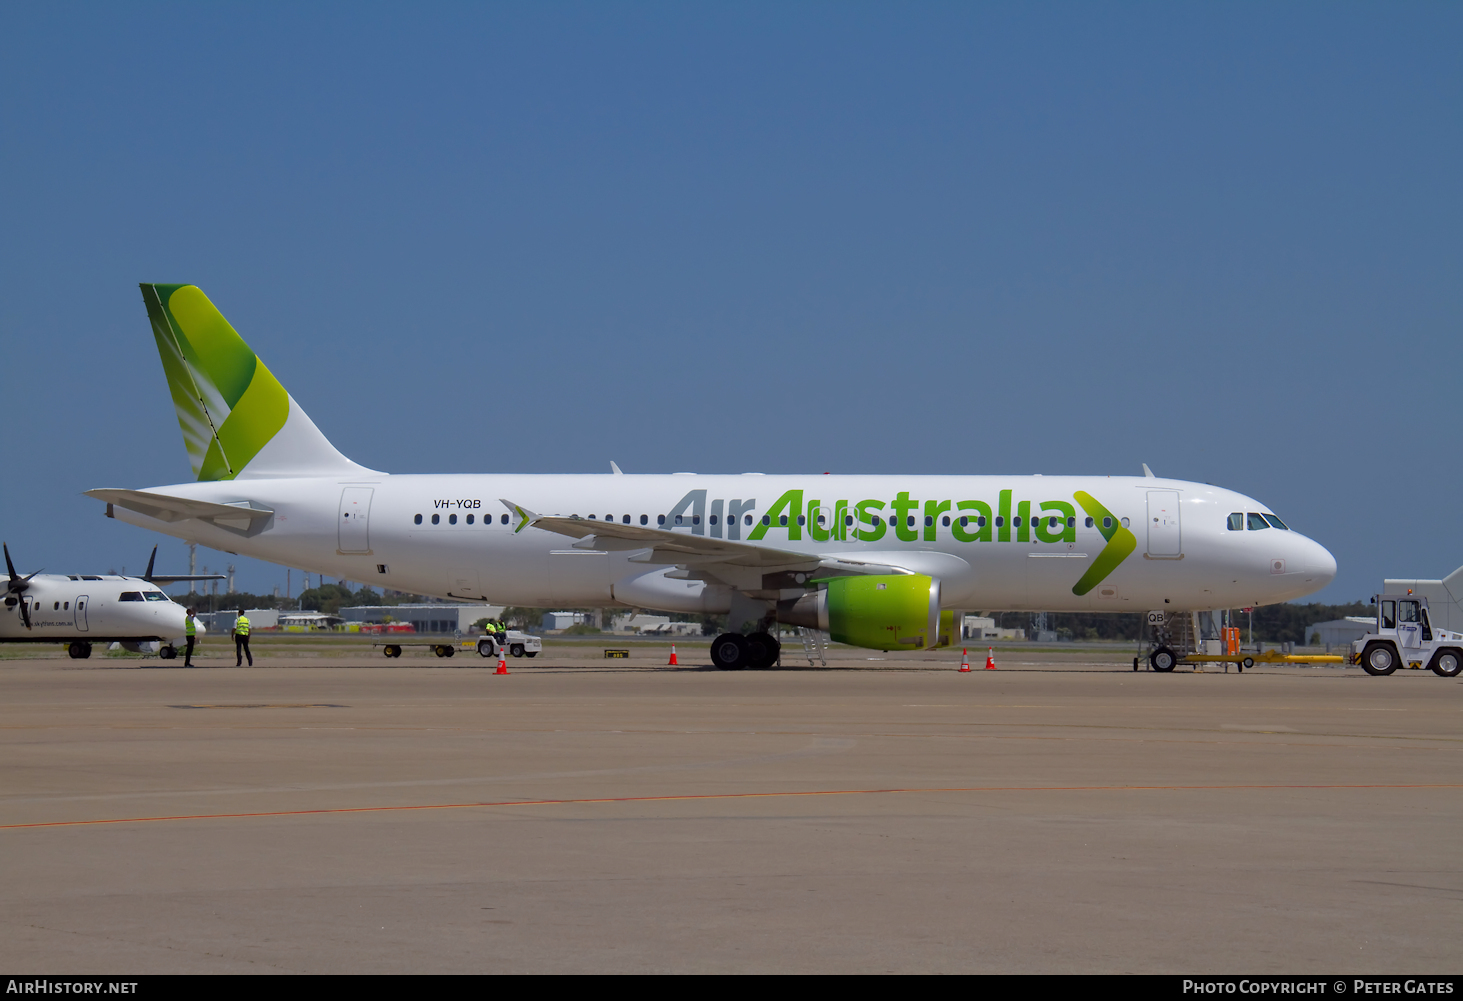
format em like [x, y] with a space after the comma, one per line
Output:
[815, 644]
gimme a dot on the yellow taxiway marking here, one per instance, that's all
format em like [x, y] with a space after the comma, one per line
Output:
[724, 796]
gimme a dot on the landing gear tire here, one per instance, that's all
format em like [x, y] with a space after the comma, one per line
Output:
[1379, 659]
[763, 650]
[167, 651]
[1447, 663]
[79, 651]
[1162, 660]
[516, 649]
[729, 652]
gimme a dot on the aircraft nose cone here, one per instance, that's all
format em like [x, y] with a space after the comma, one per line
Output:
[1319, 562]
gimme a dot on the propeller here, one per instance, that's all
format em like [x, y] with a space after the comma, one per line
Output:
[17, 585]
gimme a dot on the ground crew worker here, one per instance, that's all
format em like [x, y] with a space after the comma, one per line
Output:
[190, 629]
[241, 641]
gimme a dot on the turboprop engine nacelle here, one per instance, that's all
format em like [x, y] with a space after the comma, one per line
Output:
[881, 612]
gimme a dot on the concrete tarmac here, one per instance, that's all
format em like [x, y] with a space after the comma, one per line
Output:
[357, 815]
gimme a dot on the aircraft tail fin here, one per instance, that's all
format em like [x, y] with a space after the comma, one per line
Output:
[237, 420]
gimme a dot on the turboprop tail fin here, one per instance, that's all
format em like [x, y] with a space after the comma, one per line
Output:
[237, 420]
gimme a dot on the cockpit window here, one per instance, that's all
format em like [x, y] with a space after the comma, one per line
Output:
[1237, 522]
[1276, 522]
[131, 596]
[1256, 521]
[155, 596]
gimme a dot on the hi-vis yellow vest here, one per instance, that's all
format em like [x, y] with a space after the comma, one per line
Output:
[241, 625]
[191, 628]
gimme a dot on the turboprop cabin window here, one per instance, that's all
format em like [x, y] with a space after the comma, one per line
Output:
[1256, 521]
[1237, 522]
[131, 596]
[1275, 522]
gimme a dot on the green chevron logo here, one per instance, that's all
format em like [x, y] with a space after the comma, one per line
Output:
[1120, 543]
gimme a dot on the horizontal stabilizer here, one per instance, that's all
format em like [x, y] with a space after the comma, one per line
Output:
[165, 507]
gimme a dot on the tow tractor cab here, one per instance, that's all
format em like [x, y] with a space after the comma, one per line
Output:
[1406, 637]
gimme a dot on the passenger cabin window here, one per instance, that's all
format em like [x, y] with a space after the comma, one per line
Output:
[505, 519]
[1389, 614]
[1237, 521]
[1256, 521]
[452, 519]
[436, 519]
[748, 520]
[625, 520]
[469, 519]
[1275, 522]
[131, 596]
[417, 519]
[645, 519]
[1089, 523]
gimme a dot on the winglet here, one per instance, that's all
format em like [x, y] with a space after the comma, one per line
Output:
[616, 469]
[1148, 472]
[524, 515]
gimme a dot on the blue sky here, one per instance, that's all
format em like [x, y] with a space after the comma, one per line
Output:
[1220, 239]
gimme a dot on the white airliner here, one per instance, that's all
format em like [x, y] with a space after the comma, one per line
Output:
[82, 609]
[875, 561]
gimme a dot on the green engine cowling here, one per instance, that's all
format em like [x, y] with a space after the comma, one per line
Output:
[877, 611]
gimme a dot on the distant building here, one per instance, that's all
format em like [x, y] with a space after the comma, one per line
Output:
[654, 625]
[427, 618]
[563, 620]
[1339, 632]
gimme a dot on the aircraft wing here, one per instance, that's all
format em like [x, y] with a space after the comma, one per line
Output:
[165, 507]
[163, 580]
[682, 548]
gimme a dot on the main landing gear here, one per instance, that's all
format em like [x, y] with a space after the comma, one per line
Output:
[79, 650]
[733, 651]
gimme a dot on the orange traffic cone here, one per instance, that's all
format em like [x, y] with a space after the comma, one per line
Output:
[990, 660]
[965, 661]
[674, 662]
[502, 664]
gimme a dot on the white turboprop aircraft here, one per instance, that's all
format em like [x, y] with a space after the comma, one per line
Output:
[875, 561]
[82, 609]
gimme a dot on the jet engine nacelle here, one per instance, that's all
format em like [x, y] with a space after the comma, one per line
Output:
[878, 611]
